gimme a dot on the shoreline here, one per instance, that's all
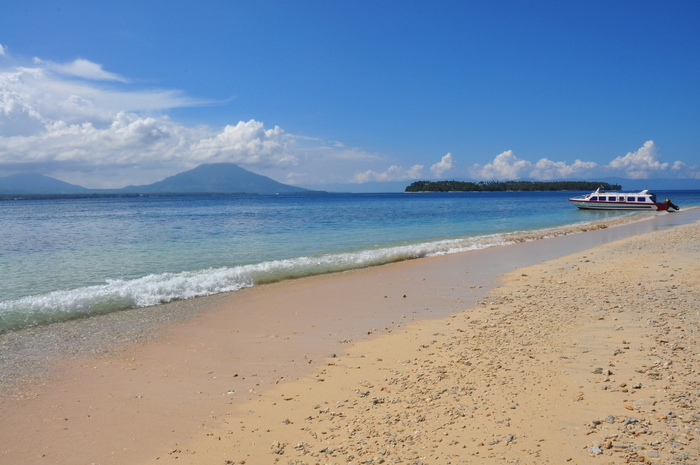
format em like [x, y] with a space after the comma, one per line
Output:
[535, 374]
[190, 365]
[107, 333]
[34, 311]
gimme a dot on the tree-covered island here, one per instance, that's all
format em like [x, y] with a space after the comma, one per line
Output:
[492, 186]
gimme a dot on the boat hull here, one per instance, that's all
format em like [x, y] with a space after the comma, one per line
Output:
[601, 205]
[625, 201]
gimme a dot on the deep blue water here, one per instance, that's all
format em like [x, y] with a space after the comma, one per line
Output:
[63, 259]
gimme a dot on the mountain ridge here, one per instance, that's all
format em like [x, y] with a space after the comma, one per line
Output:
[37, 184]
[214, 178]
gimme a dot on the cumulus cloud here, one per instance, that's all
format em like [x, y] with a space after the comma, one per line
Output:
[86, 125]
[83, 124]
[48, 118]
[640, 164]
[131, 140]
[247, 143]
[445, 164]
[678, 166]
[128, 140]
[504, 166]
[393, 173]
[546, 169]
[32, 98]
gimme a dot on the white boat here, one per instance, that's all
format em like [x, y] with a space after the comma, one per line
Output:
[601, 200]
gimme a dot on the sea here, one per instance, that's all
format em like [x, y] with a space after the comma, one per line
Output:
[63, 259]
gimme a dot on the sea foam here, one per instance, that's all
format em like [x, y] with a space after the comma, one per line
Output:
[155, 289]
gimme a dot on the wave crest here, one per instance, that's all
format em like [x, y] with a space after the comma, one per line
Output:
[155, 289]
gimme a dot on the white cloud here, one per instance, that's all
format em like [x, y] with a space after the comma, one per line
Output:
[83, 69]
[49, 117]
[640, 164]
[31, 98]
[546, 169]
[678, 166]
[504, 166]
[60, 120]
[393, 173]
[132, 140]
[445, 164]
[92, 127]
[247, 144]
[129, 139]
[507, 166]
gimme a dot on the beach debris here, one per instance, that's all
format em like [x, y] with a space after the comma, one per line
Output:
[277, 447]
[300, 446]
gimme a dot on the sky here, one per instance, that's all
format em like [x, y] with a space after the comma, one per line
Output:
[352, 93]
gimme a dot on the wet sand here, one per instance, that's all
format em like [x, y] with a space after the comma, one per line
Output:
[428, 367]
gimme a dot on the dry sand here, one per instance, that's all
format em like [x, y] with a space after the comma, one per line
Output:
[589, 358]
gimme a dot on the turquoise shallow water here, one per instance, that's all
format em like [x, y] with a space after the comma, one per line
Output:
[62, 259]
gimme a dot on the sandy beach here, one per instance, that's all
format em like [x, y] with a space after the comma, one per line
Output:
[554, 351]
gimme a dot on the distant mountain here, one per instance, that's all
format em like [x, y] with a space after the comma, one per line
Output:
[216, 178]
[23, 184]
[227, 178]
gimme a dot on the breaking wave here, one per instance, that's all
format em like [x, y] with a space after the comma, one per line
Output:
[155, 289]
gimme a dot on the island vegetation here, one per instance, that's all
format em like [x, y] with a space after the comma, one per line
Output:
[492, 186]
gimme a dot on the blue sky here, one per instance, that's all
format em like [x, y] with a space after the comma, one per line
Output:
[316, 93]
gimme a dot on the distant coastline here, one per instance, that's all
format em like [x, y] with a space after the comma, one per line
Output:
[206, 179]
[103, 196]
[501, 186]
[10, 197]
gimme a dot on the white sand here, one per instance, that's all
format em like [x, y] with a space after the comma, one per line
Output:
[590, 358]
